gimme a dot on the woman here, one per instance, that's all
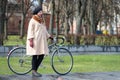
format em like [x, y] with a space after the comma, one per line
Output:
[37, 36]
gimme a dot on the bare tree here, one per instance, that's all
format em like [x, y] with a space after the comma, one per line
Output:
[40, 3]
[100, 11]
[89, 12]
[52, 3]
[67, 12]
[11, 8]
[80, 11]
[2, 19]
[94, 13]
[25, 5]
[57, 12]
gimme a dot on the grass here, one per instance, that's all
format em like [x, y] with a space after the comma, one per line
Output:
[97, 63]
[82, 63]
[14, 40]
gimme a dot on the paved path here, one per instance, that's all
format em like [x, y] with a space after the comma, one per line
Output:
[72, 76]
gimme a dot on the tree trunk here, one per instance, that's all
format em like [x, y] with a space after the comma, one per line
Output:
[92, 21]
[6, 29]
[40, 3]
[22, 20]
[76, 37]
[2, 19]
[66, 27]
[81, 7]
[52, 17]
[57, 19]
[22, 27]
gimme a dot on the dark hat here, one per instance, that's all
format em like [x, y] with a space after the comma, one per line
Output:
[36, 10]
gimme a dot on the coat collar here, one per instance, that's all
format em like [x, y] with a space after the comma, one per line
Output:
[38, 19]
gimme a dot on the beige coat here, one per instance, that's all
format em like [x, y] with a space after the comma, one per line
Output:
[39, 33]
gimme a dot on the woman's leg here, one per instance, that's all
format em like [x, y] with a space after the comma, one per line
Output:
[34, 62]
[39, 60]
[35, 66]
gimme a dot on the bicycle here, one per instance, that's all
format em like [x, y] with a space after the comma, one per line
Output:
[61, 59]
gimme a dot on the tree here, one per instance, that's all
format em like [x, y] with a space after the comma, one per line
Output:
[57, 11]
[94, 13]
[40, 3]
[52, 3]
[2, 19]
[90, 12]
[67, 12]
[25, 6]
[80, 11]
[100, 11]
[11, 8]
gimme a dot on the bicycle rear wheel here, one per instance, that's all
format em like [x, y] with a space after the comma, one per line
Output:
[18, 61]
[62, 61]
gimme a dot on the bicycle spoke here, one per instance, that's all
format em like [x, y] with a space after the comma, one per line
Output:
[62, 61]
[18, 61]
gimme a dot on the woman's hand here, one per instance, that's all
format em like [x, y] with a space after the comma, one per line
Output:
[51, 37]
[31, 43]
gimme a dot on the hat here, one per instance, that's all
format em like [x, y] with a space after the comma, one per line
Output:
[36, 10]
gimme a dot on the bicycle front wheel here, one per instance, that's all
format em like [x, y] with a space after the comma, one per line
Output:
[18, 61]
[62, 61]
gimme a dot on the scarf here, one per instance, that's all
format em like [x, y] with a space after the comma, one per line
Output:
[38, 19]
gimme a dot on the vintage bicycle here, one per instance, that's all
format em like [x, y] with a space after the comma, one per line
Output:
[61, 59]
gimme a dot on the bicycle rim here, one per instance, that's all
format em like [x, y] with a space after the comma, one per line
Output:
[18, 61]
[62, 61]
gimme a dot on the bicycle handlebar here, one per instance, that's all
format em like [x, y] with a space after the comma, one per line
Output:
[55, 39]
[58, 38]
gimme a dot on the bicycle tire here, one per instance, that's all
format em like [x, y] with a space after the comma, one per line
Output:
[62, 61]
[18, 61]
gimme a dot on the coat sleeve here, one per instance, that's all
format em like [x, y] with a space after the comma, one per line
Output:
[48, 35]
[30, 32]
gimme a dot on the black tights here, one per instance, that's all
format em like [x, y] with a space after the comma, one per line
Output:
[36, 61]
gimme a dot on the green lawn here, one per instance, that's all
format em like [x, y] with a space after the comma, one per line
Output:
[82, 63]
[14, 40]
[97, 63]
